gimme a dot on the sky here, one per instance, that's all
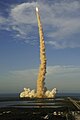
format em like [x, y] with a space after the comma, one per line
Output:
[19, 44]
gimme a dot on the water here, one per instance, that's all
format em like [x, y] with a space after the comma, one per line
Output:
[74, 95]
[13, 99]
[10, 95]
[12, 107]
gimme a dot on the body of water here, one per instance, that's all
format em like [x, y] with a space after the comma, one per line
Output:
[13, 95]
[13, 99]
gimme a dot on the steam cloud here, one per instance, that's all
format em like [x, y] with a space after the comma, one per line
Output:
[32, 94]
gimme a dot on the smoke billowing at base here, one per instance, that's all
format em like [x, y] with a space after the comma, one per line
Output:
[32, 93]
[42, 91]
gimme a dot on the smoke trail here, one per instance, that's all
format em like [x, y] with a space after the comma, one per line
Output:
[42, 91]
[42, 68]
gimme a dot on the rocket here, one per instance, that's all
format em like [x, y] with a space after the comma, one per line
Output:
[36, 9]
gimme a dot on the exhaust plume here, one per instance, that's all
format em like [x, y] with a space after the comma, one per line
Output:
[42, 68]
[36, 9]
[42, 91]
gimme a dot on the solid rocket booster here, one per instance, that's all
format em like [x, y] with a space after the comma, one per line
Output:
[42, 68]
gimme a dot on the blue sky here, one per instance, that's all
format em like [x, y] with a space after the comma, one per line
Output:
[19, 44]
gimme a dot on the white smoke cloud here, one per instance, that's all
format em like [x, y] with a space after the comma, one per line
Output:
[60, 21]
[27, 92]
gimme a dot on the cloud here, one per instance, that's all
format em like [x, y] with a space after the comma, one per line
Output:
[51, 70]
[63, 69]
[60, 22]
[64, 44]
[61, 77]
[24, 13]
[2, 20]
